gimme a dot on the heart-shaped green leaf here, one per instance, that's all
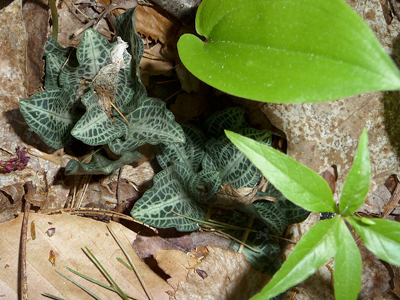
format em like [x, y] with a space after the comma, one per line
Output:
[298, 183]
[286, 51]
[100, 164]
[169, 193]
[150, 123]
[356, 186]
[316, 247]
[51, 114]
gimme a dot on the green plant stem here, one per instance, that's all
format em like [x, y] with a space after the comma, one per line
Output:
[54, 17]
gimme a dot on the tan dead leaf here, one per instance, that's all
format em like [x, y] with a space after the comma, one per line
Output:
[71, 234]
[176, 264]
[154, 62]
[222, 274]
[151, 23]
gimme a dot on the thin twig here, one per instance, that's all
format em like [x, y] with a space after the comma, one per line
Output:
[54, 17]
[146, 289]
[246, 233]
[30, 191]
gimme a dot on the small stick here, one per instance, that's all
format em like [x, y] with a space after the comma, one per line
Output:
[246, 233]
[120, 113]
[30, 191]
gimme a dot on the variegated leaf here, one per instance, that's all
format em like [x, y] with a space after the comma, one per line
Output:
[150, 123]
[51, 114]
[100, 164]
[169, 194]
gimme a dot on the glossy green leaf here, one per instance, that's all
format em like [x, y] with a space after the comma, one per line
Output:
[348, 268]
[51, 114]
[190, 153]
[95, 127]
[286, 51]
[297, 183]
[169, 192]
[150, 123]
[100, 164]
[356, 186]
[235, 168]
[381, 238]
[316, 247]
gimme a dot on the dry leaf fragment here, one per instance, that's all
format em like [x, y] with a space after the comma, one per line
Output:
[33, 230]
[50, 232]
[52, 258]
[229, 276]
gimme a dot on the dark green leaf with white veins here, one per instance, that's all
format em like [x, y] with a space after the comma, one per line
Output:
[297, 183]
[53, 69]
[190, 153]
[93, 52]
[230, 119]
[286, 51]
[53, 47]
[169, 193]
[234, 166]
[271, 215]
[203, 186]
[356, 186]
[95, 127]
[100, 164]
[51, 114]
[294, 213]
[381, 237]
[125, 25]
[316, 247]
[150, 123]
[348, 267]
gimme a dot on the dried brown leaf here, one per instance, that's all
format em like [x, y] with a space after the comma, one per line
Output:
[222, 274]
[176, 264]
[151, 23]
[71, 234]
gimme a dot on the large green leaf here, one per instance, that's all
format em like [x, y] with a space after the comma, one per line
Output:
[316, 247]
[190, 153]
[381, 237]
[348, 269]
[234, 166]
[298, 183]
[100, 164]
[51, 114]
[93, 52]
[95, 127]
[356, 186]
[286, 51]
[150, 123]
[168, 193]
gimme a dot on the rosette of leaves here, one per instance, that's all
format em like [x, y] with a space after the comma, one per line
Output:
[194, 172]
[61, 113]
